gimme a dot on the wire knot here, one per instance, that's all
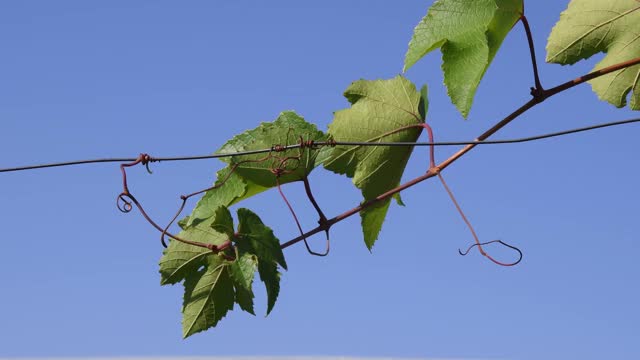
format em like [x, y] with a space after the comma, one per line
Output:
[278, 148]
[277, 171]
[146, 159]
[307, 143]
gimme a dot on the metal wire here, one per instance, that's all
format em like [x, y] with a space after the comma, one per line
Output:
[329, 143]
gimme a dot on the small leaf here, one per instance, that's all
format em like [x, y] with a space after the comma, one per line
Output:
[256, 238]
[181, 259]
[379, 112]
[231, 189]
[242, 273]
[253, 237]
[371, 220]
[589, 27]
[469, 34]
[212, 284]
[423, 106]
[208, 296]
[270, 276]
[223, 222]
[183, 222]
[398, 199]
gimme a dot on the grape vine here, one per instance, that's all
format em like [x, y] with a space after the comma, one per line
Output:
[216, 257]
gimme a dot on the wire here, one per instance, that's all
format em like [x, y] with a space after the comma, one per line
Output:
[330, 143]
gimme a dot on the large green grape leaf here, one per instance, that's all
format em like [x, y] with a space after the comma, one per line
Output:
[252, 174]
[287, 129]
[469, 34]
[379, 108]
[589, 27]
[212, 281]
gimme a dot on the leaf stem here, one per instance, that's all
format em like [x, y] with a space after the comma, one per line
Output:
[538, 85]
[307, 189]
[295, 218]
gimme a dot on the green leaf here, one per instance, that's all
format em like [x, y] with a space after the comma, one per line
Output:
[231, 189]
[270, 276]
[180, 259]
[242, 273]
[183, 222]
[469, 34]
[208, 296]
[379, 108]
[256, 238]
[223, 222]
[287, 129]
[253, 176]
[371, 220]
[589, 27]
[211, 282]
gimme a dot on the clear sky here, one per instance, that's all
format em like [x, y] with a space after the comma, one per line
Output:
[83, 79]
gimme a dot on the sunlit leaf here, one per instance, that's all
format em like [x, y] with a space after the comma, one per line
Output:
[469, 34]
[589, 27]
[208, 296]
[381, 111]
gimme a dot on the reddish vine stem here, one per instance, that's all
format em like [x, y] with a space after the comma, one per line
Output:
[128, 199]
[165, 231]
[590, 76]
[429, 174]
[145, 159]
[185, 198]
[432, 165]
[432, 152]
[295, 218]
[473, 232]
[491, 242]
[537, 99]
[213, 248]
[279, 169]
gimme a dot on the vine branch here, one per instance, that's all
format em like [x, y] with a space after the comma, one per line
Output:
[433, 171]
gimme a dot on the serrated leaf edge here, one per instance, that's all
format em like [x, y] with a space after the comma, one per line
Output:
[206, 302]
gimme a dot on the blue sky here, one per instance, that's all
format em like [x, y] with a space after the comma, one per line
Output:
[99, 79]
